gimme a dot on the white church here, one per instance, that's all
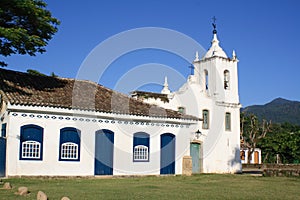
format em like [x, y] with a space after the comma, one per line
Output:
[66, 127]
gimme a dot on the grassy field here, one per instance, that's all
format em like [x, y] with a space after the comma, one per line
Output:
[208, 186]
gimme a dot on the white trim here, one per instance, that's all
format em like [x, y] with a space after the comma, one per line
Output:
[97, 114]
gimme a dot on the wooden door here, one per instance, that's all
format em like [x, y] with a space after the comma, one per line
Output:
[167, 153]
[104, 150]
[195, 154]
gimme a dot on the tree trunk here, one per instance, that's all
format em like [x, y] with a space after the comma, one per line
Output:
[249, 158]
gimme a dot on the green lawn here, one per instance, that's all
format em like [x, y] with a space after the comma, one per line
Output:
[208, 186]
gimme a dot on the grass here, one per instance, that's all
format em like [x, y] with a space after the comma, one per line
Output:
[207, 186]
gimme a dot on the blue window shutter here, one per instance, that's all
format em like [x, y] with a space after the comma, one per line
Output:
[32, 132]
[141, 139]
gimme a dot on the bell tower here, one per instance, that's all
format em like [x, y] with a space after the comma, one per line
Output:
[216, 77]
[216, 73]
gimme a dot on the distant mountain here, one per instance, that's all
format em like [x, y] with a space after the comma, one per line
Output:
[279, 111]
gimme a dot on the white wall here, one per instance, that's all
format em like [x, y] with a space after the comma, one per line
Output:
[123, 145]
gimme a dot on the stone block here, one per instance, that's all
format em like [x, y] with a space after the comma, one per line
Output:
[22, 191]
[41, 196]
[187, 165]
[7, 186]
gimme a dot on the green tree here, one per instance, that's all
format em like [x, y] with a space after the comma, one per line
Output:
[35, 72]
[25, 27]
[53, 75]
[282, 145]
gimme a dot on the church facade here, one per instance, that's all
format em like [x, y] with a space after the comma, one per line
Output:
[66, 127]
[212, 95]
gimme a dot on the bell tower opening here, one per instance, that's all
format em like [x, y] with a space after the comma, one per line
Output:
[206, 79]
[226, 80]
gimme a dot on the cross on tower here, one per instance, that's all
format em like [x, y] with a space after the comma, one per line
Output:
[214, 25]
[214, 19]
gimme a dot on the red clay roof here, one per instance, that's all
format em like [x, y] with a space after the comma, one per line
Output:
[20, 88]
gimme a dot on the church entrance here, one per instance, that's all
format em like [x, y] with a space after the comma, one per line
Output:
[167, 153]
[195, 154]
[104, 152]
[2, 156]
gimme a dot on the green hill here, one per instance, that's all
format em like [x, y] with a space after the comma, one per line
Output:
[279, 111]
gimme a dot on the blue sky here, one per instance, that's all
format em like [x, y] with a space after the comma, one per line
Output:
[265, 35]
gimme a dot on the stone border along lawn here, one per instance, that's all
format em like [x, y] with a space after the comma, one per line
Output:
[204, 186]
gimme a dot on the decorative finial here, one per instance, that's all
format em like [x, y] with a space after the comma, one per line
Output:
[233, 55]
[166, 82]
[196, 57]
[214, 25]
[165, 89]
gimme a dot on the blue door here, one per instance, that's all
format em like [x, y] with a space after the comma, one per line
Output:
[195, 154]
[167, 153]
[104, 152]
[2, 156]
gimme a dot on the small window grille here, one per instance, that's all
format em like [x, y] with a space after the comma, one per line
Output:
[69, 151]
[140, 153]
[31, 149]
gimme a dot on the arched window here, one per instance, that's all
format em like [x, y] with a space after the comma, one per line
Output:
[226, 80]
[31, 143]
[69, 144]
[141, 147]
[227, 121]
[206, 79]
[205, 116]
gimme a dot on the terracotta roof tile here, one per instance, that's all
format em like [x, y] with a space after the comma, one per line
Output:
[21, 88]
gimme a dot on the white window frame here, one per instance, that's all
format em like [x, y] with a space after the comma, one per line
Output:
[140, 153]
[31, 149]
[69, 151]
